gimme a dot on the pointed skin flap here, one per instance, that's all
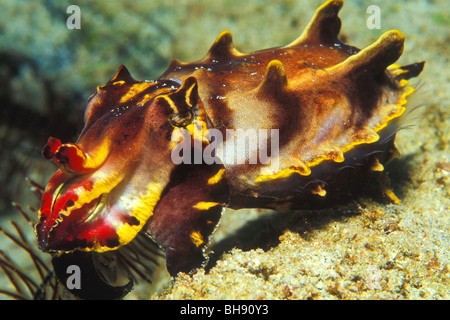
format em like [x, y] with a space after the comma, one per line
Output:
[122, 74]
[222, 48]
[324, 26]
[376, 57]
[108, 95]
[274, 79]
[406, 72]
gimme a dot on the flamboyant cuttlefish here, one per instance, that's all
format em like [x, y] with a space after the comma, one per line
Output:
[333, 109]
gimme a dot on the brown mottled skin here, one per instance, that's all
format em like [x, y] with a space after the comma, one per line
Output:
[337, 109]
[308, 89]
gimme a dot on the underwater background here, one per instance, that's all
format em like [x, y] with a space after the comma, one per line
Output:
[364, 251]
